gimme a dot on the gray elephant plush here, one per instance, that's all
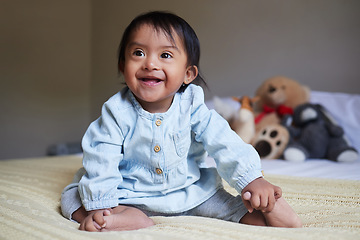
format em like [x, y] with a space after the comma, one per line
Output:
[315, 134]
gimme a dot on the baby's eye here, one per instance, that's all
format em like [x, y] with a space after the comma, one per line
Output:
[166, 55]
[138, 53]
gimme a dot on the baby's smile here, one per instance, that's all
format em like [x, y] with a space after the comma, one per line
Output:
[151, 81]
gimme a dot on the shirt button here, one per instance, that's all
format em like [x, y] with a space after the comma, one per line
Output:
[158, 122]
[159, 171]
[157, 148]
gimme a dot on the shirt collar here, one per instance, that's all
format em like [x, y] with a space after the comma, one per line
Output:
[142, 112]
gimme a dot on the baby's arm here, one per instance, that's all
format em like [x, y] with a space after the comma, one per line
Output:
[260, 195]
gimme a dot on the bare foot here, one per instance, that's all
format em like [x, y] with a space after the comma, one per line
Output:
[282, 216]
[123, 218]
[120, 218]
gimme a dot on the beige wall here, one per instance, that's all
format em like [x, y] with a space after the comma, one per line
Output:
[44, 74]
[58, 58]
[244, 42]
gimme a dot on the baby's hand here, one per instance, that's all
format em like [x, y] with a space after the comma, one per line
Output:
[260, 195]
[95, 221]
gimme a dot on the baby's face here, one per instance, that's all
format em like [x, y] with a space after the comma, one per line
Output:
[155, 67]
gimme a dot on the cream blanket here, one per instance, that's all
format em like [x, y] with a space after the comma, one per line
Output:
[30, 192]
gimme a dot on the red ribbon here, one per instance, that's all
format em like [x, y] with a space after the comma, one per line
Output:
[280, 110]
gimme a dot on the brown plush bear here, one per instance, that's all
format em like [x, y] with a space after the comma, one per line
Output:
[277, 97]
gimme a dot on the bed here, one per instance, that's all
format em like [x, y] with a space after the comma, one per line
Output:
[326, 195]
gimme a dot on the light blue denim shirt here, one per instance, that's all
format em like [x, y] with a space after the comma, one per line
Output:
[155, 161]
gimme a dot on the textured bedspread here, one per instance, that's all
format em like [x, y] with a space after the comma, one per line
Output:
[30, 192]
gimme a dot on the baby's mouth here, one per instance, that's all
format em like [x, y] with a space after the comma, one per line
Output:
[150, 81]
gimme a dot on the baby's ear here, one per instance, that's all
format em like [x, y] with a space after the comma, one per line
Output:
[191, 74]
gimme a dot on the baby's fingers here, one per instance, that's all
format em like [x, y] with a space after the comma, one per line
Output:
[256, 201]
[277, 192]
[246, 200]
[251, 201]
[262, 202]
[270, 204]
[88, 225]
[268, 201]
[99, 220]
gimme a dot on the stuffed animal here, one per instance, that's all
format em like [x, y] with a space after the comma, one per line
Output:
[277, 97]
[270, 141]
[243, 122]
[315, 134]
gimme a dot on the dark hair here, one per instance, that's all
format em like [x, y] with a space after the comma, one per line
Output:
[168, 23]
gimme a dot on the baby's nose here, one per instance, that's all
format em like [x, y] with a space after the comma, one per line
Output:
[151, 64]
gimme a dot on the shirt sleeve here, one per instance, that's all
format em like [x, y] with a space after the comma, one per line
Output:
[102, 146]
[237, 162]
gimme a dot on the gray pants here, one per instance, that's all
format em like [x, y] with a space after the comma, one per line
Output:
[222, 205]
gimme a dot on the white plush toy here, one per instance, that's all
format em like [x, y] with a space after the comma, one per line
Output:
[242, 120]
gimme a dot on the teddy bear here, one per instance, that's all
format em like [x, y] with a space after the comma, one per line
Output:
[271, 140]
[315, 134]
[276, 97]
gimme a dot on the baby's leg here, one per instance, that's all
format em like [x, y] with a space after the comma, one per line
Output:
[79, 215]
[282, 215]
[255, 218]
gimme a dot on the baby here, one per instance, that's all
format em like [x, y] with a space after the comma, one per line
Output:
[145, 155]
